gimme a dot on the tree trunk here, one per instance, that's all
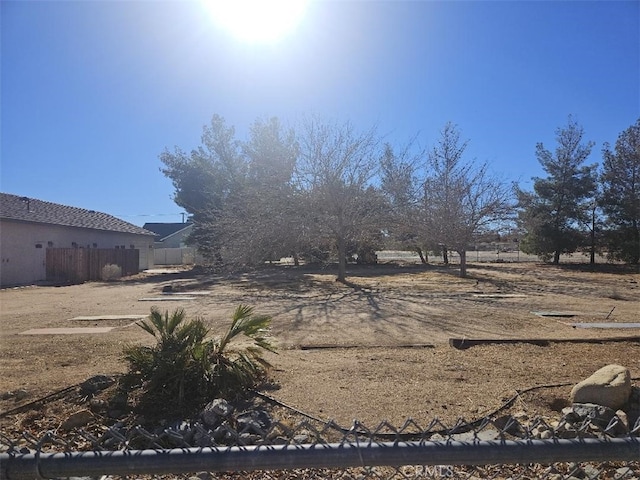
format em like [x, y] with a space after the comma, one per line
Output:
[592, 256]
[463, 263]
[556, 257]
[422, 259]
[342, 260]
[445, 255]
[635, 259]
[296, 260]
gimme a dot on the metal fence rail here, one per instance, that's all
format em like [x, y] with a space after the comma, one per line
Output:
[488, 450]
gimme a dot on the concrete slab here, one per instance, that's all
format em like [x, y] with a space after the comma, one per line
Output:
[196, 293]
[605, 325]
[499, 295]
[166, 298]
[67, 331]
[162, 271]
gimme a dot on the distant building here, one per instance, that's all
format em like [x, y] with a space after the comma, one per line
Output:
[170, 235]
[28, 227]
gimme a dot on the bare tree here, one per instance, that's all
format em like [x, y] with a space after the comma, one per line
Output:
[460, 199]
[335, 173]
[399, 185]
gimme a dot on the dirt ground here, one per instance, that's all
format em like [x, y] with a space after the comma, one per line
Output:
[384, 337]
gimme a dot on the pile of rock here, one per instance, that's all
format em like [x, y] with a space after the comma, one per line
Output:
[604, 405]
[606, 400]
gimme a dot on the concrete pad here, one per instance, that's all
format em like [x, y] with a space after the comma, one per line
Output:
[198, 293]
[67, 331]
[161, 271]
[109, 317]
[605, 325]
[499, 295]
[167, 298]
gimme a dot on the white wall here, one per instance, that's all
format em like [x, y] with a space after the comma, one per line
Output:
[23, 262]
[174, 256]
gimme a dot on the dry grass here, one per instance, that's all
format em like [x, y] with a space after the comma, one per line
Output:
[382, 308]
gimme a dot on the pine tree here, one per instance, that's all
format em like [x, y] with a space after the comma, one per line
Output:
[552, 214]
[621, 195]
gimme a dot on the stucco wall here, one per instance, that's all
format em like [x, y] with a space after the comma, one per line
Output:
[23, 247]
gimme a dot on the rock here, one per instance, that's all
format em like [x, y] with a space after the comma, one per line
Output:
[546, 434]
[215, 412]
[6, 395]
[590, 472]
[569, 415]
[610, 386]
[624, 473]
[98, 405]
[203, 439]
[597, 414]
[20, 394]
[624, 420]
[255, 421]
[96, 384]
[510, 425]
[222, 433]
[78, 419]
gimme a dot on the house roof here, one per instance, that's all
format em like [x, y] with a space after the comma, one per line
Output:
[164, 230]
[24, 209]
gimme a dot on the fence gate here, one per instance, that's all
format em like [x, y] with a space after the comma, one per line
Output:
[77, 265]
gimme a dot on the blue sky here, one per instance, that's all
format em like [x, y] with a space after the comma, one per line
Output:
[94, 91]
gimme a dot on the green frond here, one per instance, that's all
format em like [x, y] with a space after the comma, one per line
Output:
[177, 317]
[184, 366]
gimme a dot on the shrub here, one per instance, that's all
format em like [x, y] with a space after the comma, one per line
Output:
[111, 272]
[185, 369]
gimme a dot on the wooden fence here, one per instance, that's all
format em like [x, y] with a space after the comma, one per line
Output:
[77, 265]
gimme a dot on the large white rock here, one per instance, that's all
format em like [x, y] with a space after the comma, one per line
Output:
[610, 386]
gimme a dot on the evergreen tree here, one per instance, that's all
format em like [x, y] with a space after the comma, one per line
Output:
[205, 181]
[552, 214]
[621, 195]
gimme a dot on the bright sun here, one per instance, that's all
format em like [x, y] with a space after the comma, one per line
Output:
[257, 21]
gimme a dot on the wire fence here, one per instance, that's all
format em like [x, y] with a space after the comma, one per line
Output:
[573, 447]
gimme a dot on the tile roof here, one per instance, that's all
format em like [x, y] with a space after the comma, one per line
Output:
[24, 209]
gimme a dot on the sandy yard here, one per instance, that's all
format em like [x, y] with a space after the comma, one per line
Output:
[384, 338]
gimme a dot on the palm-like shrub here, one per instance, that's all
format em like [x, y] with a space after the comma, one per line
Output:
[235, 369]
[184, 368]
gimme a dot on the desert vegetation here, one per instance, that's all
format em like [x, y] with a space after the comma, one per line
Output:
[187, 366]
[330, 191]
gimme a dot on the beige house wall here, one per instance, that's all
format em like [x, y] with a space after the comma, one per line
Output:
[23, 247]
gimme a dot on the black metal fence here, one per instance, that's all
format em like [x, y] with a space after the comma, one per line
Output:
[490, 448]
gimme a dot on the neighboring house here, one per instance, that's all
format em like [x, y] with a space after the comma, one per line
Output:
[169, 235]
[170, 247]
[28, 227]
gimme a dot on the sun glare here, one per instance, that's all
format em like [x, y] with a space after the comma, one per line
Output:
[257, 21]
